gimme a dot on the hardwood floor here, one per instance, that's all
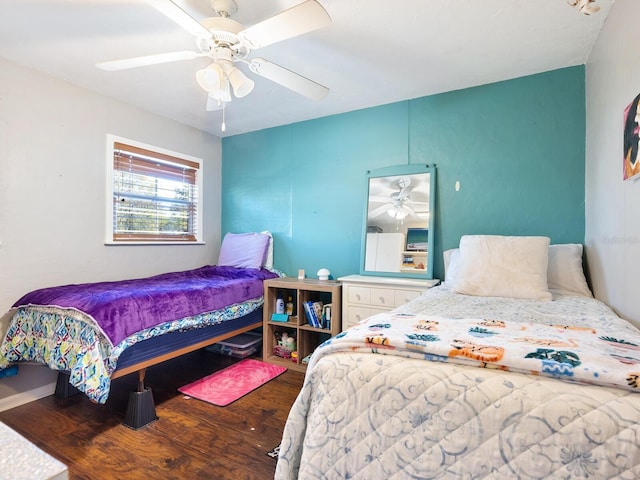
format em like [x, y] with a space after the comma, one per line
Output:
[192, 439]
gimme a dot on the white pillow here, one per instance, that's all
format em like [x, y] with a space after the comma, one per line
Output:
[451, 264]
[565, 270]
[268, 262]
[243, 250]
[499, 266]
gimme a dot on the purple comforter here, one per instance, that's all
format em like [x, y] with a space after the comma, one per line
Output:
[125, 307]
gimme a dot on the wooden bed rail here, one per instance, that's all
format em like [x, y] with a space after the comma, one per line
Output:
[182, 351]
[141, 408]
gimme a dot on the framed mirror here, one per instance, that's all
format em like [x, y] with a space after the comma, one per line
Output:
[398, 234]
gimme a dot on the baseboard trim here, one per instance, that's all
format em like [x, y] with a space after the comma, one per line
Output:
[26, 397]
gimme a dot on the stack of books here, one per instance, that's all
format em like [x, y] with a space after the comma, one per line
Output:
[318, 314]
[314, 313]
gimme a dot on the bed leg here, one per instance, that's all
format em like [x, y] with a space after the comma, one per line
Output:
[64, 389]
[141, 410]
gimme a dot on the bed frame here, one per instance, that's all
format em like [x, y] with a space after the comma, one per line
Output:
[137, 358]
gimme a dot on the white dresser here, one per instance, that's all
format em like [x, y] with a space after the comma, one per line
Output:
[364, 295]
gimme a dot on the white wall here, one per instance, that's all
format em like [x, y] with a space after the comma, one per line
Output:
[52, 192]
[613, 206]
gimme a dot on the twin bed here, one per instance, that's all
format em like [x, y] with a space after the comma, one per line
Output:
[401, 395]
[93, 333]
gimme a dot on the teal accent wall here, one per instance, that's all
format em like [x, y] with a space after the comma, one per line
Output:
[517, 148]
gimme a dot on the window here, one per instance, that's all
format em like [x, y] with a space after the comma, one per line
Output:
[153, 194]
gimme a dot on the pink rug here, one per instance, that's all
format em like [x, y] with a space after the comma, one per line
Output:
[227, 385]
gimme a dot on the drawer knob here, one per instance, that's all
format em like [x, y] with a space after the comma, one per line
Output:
[358, 296]
[382, 300]
[358, 317]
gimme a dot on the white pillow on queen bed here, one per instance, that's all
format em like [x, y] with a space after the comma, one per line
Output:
[501, 266]
[244, 250]
[451, 265]
[564, 271]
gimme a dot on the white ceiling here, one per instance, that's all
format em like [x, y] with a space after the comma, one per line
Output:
[375, 52]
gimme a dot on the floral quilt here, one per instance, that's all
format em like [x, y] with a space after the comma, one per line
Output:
[587, 354]
[400, 395]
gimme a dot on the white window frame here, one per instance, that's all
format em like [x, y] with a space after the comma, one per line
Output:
[111, 141]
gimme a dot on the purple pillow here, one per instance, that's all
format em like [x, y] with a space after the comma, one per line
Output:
[243, 250]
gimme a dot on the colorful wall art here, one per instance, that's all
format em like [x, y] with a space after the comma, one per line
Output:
[630, 160]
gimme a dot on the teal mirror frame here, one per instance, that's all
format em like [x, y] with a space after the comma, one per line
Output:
[393, 178]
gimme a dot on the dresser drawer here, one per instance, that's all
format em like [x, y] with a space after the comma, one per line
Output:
[379, 297]
[354, 314]
[405, 296]
[359, 295]
[365, 296]
[383, 297]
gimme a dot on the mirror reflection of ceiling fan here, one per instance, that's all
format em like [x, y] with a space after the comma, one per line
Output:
[226, 42]
[398, 204]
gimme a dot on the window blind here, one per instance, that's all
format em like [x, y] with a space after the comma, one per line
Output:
[155, 196]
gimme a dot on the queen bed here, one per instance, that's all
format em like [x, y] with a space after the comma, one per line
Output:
[517, 377]
[95, 332]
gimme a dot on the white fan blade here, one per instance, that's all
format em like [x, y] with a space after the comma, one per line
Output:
[178, 15]
[378, 198]
[287, 78]
[148, 60]
[411, 212]
[379, 210]
[302, 18]
[213, 104]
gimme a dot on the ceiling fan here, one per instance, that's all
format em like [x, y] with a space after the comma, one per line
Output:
[398, 204]
[226, 42]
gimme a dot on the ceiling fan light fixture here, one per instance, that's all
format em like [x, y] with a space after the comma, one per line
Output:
[211, 78]
[242, 85]
[223, 94]
[399, 212]
[402, 214]
[226, 41]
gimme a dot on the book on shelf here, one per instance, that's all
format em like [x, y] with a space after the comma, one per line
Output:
[310, 314]
[317, 312]
[314, 313]
[326, 316]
